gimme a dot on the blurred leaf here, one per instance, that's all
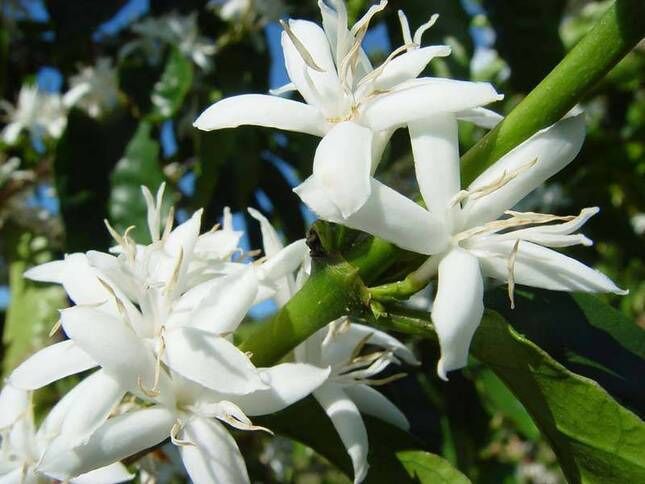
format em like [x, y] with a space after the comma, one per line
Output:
[33, 307]
[85, 157]
[594, 438]
[170, 90]
[139, 166]
[137, 78]
[427, 467]
[394, 455]
[584, 334]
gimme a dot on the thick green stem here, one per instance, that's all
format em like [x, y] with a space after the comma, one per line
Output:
[611, 38]
[330, 292]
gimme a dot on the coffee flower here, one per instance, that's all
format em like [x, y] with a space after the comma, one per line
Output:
[40, 113]
[478, 244]
[94, 89]
[22, 446]
[353, 106]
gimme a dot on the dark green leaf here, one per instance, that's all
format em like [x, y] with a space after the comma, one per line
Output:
[395, 456]
[170, 90]
[33, 308]
[139, 166]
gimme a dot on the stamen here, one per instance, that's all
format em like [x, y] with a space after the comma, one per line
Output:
[174, 431]
[119, 304]
[383, 381]
[423, 28]
[174, 278]
[215, 228]
[169, 221]
[359, 346]
[364, 21]
[302, 50]
[55, 328]
[511, 273]
[405, 28]
[154, 391]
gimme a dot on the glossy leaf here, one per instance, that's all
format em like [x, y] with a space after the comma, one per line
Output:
[170, 90]
[395, 455]
[139, 166]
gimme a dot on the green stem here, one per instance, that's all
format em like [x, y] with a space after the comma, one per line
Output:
[331, 292]
[610, 39]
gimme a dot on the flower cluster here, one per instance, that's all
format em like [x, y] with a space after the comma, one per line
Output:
[152, 326]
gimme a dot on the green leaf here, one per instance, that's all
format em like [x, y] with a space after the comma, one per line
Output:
[139, 166]
[85, 157]
[170, 90]
[585, 335]
[593, 436]
[33, 307]
[426, 467]
[394, 455]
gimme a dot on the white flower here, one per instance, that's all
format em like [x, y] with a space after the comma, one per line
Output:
[476, 243]
[94, 89]
[354, 106]
[175, 30]
[348, 390]
[42, 114]
[22, 446]
[238, 10]
[192, 416]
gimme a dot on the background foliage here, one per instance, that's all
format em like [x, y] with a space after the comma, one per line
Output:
[504, 418]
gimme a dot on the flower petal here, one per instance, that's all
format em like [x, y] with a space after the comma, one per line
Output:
[112, 442]
[224, 304]
[112, 474]
[435, 146]
[47, 272]
[288, 383]
[14, 402]
[285, 262]
[482, 117]
[540, 267]
[374, 403]
[271, 241]
[425, 97]
[214, 456]
[342, 166]
[51, 364]
[348, 423]
[211, 361]
[386, 214]
[262, 110]
[553, 148]
[408, 66]
[112, 344]
[458, 308]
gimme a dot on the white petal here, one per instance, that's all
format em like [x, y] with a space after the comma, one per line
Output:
[341, 346]
[374, 403]
[271, 241]
[553, 148]
[47, 272]
[224, 304]
[51, 364]
[112, 344]
[342, 166]
[212, 361]
[111, 474]
[91, 406]
[262, 110]
[114, 441]
[408, 66]
[318, 88]
[458, 308]
[425, 97]
[541, 267]
[435, 146]
[348, 423]
[386, 214]
[11, 132]
[482, 117]
[285, 262]
[14, 402]
[288, 383]
[214, 458]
